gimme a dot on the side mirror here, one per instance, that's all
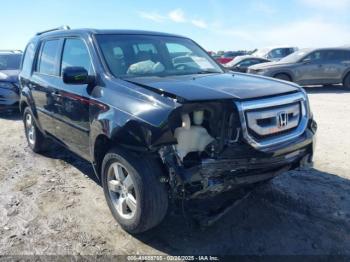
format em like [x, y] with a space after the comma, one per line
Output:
[76, 76]
[306, 61]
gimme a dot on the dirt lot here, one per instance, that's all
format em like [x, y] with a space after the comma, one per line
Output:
[51, 204]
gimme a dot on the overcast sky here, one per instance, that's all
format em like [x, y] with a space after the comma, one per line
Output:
[214, 24]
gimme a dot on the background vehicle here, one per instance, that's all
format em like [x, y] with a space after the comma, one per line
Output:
[274, 53]
[241, 63]
[229, 56]
[310, 67]
[9, 69]
[156, 125]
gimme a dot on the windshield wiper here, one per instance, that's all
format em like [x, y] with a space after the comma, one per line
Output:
[207, 72]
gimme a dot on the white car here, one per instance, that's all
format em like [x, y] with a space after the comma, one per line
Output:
[275, 53]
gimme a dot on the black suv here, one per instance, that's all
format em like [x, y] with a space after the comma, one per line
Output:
[10, 61]
[158, 118]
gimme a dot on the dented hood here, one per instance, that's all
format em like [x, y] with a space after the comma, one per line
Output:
[215, 86]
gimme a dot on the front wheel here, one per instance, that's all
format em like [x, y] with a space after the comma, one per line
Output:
[346, 82]
[133, 191]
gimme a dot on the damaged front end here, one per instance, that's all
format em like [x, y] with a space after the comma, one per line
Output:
[225, 144]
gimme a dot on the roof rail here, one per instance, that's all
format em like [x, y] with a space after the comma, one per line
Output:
[64, 27]
[11, 51]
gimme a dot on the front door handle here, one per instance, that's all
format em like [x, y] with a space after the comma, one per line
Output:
[56, 94]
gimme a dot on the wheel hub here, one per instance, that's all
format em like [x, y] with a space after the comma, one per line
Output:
[122, 191]
[30, 128]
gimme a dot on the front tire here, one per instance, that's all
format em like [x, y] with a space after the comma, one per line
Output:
[346, 82]
[35, 138]
[133, 191]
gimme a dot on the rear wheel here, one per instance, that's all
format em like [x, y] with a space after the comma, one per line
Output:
[284, 77]
[346, 82]
[36, 140]
[133, 191]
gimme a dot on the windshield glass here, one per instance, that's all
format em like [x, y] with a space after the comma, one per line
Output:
[261, 52]
[294, 57]
[10, 61]
[143, 55]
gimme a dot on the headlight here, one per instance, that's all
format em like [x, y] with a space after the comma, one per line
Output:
[308, 108]
[6, 85]
[260, 71]
[256, 71]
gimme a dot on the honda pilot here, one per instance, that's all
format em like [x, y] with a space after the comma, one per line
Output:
[158, 118]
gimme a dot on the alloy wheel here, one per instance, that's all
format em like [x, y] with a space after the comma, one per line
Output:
[30, 129]
[121, 190]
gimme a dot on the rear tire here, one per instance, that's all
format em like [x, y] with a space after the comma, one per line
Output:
[346, 82]
[284, 77]
[133, 191]
[35, 138]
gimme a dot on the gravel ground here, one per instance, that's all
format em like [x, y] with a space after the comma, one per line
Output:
[51, 204]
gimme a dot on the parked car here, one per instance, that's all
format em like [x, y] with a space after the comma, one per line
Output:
[241, 63]
[153, 130]
[274, 53]
[310, 67]
[10, 61]
[229, 56]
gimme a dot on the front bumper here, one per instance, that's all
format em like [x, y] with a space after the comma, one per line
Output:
[9, 99]
[215, 176]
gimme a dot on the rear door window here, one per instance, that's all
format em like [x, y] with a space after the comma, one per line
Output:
[47, 63]
[334, 55]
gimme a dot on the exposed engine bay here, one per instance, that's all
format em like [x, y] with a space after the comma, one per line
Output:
[211, 155]
[192, 138]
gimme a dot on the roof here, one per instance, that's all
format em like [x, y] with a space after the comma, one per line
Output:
[242, 57]
[324, 48]
[58, 32]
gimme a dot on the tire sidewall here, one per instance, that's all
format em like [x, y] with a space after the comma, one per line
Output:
[127, 224]
[346, 82]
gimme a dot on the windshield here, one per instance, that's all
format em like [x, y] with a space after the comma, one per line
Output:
[261, 52]
[294, 57]
[10, 61]
[143, 55]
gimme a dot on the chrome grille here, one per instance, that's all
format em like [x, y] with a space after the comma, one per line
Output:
[264, 122]
[270, 121]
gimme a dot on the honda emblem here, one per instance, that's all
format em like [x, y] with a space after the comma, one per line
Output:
[282, 119]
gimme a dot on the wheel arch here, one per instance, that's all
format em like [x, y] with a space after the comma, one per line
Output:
[345, 75]
[287, 73]
[134, 136]
[22, 106]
